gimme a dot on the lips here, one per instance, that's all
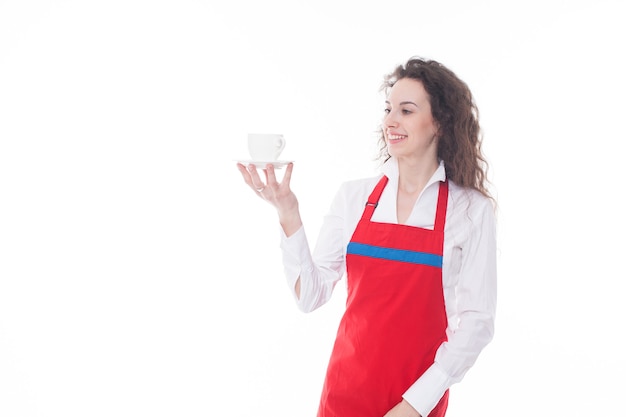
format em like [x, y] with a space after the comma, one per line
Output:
[394, 138]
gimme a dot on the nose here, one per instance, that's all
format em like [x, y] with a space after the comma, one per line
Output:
[390, 119]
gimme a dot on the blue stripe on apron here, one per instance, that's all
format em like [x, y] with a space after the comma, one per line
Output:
[399, 255]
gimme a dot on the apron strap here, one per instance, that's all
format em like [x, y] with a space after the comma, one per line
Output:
[372, 200]
[442, 206]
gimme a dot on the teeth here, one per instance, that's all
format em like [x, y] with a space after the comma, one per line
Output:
[395, 137]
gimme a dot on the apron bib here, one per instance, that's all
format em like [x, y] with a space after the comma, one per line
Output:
[395, 318]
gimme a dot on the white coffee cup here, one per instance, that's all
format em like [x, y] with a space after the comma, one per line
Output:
[265, 146]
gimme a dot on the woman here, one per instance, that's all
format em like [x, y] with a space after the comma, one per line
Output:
[417, 245]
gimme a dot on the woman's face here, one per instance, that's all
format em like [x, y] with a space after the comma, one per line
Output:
[408, 125]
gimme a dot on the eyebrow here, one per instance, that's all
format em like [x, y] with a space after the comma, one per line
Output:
[403, 102]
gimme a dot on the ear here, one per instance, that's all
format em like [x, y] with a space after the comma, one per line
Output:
[437, 134]
[437, 129]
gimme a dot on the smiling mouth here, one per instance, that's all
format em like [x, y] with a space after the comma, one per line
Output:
[395, 138]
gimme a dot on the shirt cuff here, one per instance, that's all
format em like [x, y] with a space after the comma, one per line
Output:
[426, 392]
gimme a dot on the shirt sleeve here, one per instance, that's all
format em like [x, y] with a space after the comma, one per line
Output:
[476, 304]
[318, 271]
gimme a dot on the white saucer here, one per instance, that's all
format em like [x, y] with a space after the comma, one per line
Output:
[263, 164]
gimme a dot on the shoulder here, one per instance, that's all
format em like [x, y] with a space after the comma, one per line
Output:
[355, 192]
[469, 201]
[470, 218]
[359, 185]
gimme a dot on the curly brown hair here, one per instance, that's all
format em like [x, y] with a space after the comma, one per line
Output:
[456, 115]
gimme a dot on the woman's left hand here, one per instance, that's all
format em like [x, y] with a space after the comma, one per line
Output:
[403, 409]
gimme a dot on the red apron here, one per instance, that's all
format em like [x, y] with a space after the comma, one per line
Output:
[395, 318]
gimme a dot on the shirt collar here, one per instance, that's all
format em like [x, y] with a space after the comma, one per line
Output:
[391, 171]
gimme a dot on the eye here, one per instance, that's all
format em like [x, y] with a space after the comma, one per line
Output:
[387, 110]
[406, 111]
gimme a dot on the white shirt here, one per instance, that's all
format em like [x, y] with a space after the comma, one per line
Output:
[468, 272]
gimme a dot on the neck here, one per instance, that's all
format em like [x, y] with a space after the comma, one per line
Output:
[414, 174]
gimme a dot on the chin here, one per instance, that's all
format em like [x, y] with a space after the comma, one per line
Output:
[392, 151]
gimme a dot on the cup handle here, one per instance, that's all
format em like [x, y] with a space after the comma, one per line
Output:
[280, 144]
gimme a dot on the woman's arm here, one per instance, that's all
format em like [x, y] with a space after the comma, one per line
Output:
[475, 293]
[311, 281]
[312, 275]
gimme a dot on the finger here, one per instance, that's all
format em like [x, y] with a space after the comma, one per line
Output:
[287, 176]
[245, 174]
[270, 176]
[254, 174]
[256, 183]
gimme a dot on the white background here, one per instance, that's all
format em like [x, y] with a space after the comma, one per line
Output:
[139, 276]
